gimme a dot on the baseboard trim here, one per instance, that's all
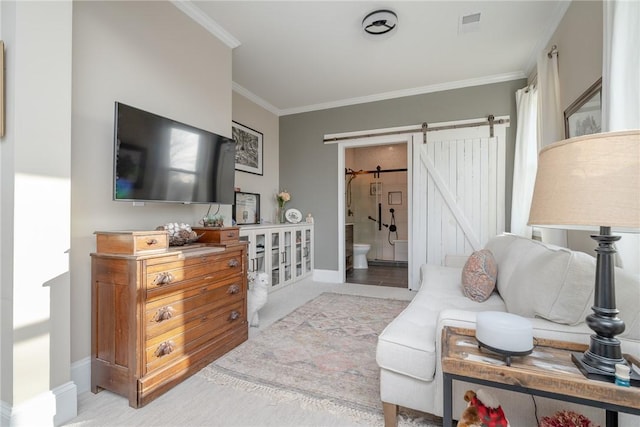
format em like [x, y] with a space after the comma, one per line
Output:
[51, 408]
[81, 374]
[5, 413]
[327, 276]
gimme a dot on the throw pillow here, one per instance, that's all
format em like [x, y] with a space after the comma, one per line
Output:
[479, 275]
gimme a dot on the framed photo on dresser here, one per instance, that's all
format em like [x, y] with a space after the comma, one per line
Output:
[246, 209]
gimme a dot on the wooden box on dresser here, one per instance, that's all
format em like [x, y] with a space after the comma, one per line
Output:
[160, 316]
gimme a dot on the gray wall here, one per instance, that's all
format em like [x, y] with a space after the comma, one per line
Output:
[308, 167]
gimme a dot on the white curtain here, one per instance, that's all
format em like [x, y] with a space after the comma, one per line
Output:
[621, 91]
[525, 160]
[550, 122]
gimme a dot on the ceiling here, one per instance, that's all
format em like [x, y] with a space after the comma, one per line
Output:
[298, 56]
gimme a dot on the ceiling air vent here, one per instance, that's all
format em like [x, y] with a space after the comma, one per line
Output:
[469, 23]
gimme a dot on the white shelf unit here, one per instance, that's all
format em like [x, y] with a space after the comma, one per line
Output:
[283, 251]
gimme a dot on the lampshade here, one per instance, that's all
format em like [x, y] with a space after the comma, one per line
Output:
[588, 182]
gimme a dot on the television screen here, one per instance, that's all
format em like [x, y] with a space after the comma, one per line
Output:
[160, 160]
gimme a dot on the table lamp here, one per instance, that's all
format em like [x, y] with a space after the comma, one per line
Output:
[584, 183]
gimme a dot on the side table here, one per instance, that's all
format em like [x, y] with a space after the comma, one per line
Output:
[547, 372]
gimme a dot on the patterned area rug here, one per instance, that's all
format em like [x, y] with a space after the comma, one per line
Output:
[321, 355]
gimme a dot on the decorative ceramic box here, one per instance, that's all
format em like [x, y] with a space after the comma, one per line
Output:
[132, 242]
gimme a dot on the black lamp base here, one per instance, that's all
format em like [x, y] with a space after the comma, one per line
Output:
[601, 375]
[604, 352]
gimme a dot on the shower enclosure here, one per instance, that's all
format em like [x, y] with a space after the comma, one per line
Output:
[376, 200]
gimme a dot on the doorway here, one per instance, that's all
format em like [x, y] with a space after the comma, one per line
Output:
[456, 187]
[376, 210]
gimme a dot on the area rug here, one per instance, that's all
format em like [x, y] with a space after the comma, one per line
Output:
[322, 355]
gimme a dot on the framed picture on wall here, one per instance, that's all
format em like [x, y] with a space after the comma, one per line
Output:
[375, 188]
[246, 209]
[395, 198]
[249, 148]
[584, 115]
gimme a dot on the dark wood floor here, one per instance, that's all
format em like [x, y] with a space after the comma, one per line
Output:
[380, 275]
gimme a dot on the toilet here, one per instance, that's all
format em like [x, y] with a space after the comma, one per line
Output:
[360, 255]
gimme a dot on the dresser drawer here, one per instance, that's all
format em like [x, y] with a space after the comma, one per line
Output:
[179, 308]
[210, 267]
[178, 342]
[131, 242]
[225, 235]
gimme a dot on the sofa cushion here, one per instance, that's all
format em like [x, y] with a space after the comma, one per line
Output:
[479, 275]
[627, 301]
[539, 279]
[408, 344]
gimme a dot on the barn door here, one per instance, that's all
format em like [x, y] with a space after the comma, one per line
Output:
[458, 192]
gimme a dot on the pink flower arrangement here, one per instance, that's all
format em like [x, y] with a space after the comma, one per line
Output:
[283, 197]
[566, 419]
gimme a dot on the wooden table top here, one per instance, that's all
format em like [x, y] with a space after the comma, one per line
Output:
[548, 368]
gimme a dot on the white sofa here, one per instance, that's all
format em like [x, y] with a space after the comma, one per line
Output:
[552, 286]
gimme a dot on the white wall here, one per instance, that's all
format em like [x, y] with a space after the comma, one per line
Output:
[36, 192]
[152, 56]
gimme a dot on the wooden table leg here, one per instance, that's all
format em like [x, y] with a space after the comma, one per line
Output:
[448, 401]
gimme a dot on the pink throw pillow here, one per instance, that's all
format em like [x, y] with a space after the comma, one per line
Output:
[479, 275]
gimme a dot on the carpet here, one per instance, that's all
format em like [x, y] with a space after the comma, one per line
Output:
[321, 355]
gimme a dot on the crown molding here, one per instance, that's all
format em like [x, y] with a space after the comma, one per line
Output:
[195, 13]
[255, 99]
[498, 78]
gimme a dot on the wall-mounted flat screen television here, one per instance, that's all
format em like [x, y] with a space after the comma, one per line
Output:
[157, 159]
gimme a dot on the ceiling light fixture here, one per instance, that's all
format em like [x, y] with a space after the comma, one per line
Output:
[380, 22]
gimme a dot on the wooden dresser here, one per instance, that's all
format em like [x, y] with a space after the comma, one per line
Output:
[160, 314]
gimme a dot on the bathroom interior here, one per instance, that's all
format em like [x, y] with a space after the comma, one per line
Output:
[376, 215]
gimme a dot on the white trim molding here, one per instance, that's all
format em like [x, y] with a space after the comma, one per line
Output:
[51, 408]
[439, 87]
[81, 374]
[380, 96]
[193, 12]
[327, 276]
[255, 98]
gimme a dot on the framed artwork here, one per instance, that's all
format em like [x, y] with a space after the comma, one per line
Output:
[246, 208]
[375, 188]
[584, 115]
[395, 197]
[249, 148]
